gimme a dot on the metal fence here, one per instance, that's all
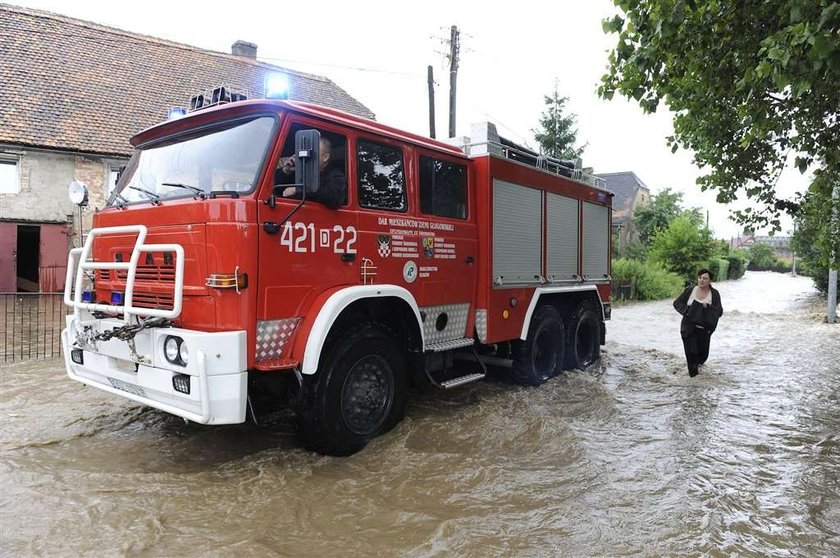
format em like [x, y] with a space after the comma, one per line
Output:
[624, 289]
[30, 325]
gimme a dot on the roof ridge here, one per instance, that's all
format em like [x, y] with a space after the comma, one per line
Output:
[639, 182]
[151, 39]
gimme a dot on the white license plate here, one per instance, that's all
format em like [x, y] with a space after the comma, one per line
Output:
[125, 386]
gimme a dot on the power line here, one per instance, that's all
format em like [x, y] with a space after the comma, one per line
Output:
[501, 124]
[354, 68]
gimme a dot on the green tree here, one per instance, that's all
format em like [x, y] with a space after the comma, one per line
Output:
[635, 250]
[683, 247]
[749, 82]
[761, 257]
[663, 208]
[557, 134]
[816, 240]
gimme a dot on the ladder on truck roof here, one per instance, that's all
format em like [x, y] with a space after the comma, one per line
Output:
[485, 139]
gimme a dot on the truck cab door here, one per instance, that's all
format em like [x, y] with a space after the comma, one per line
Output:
[304, 250]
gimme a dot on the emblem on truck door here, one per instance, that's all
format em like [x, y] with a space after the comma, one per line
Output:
[410, 272]
[429, 246]
[367, 271]
[384, 245]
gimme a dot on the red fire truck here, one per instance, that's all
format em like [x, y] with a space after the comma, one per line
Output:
[215, 286]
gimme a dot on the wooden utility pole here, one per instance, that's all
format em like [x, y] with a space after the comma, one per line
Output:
[431, 80]
[454, 48]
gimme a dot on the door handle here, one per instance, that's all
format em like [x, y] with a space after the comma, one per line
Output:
[271, 228]
[469, 260]
[348, 257]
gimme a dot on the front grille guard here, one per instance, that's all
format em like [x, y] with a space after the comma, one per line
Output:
[74, 284]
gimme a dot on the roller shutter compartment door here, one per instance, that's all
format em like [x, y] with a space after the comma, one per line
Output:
[517, 233]
[562, 238]
[596, 241]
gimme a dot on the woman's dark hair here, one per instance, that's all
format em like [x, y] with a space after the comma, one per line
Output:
[703, 270]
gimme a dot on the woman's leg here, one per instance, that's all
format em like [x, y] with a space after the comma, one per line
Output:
[690, 346]
[704, 338]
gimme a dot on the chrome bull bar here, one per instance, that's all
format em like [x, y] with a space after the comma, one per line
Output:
[74, 284]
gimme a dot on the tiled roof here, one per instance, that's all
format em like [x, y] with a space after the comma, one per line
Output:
[624, 186]
[75, 85]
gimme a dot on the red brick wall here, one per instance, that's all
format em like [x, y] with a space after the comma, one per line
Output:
[92, 173]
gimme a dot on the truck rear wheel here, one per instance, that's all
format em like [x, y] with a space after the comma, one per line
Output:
[359, 392]
[584, 337]
[540, 356]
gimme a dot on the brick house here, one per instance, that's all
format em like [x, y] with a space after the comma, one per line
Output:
[74, 93]
[629, 193]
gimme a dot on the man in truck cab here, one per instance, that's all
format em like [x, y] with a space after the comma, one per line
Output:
[332, 191]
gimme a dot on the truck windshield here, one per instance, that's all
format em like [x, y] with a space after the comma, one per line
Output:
[225, 158]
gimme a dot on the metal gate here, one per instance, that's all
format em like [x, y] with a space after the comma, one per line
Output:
[30, 326]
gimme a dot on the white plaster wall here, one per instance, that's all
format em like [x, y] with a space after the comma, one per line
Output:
[44, 178]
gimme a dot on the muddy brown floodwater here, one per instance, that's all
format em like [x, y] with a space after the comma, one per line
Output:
[631, 457]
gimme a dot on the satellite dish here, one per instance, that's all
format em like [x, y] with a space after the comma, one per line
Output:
[78, 193]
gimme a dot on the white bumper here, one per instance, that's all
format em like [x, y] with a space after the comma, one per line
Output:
[217, 370]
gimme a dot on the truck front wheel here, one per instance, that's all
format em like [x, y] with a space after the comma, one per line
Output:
[584, 337]
[359, 392]
[540, 356]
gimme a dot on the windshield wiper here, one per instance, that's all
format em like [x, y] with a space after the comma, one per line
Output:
[121, 200]
[152, 196]
[195, 189]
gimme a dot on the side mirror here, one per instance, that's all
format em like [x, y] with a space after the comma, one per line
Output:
[308, 152]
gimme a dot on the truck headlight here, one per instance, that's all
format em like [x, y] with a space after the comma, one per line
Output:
[183, 354]
[172, 349]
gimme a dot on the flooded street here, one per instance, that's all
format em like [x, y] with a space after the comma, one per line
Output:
[631, 457]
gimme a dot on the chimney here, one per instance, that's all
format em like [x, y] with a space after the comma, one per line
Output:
[244, 49]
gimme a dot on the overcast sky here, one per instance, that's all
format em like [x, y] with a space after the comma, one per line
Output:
[378, 51]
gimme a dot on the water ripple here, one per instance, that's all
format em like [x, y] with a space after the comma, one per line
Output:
[629, 458]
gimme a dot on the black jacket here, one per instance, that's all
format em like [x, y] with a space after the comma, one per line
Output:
[697, 313]
[332, 189]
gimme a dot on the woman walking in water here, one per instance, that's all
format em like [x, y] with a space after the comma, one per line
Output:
[701, 308]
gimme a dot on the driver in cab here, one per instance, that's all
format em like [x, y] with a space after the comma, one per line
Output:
[332, 183]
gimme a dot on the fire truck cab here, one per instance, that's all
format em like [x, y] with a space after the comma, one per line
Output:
[263, 253]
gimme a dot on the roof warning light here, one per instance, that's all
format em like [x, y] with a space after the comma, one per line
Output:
[276, 86]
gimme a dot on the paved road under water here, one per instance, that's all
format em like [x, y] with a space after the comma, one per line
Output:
[631, 457]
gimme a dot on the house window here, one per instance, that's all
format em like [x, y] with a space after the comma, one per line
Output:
[381, 177]
[9, 175]
[443, 188]
[113, 177]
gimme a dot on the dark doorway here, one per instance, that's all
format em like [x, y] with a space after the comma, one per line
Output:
[28, 254]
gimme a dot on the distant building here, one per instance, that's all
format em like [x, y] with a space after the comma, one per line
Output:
[629, 193]
[780, 244]
[74, 92]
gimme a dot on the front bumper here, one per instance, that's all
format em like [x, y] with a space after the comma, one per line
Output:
[138, 370]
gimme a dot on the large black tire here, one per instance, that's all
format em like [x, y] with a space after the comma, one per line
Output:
[359, 392]
[583, 339]
[540, 356]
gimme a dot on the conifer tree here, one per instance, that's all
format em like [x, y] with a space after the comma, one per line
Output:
[557, 134]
